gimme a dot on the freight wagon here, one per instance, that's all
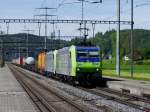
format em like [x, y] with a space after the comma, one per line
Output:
[41, 62]
[50, 62]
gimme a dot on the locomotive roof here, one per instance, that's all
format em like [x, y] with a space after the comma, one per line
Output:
[87, 48]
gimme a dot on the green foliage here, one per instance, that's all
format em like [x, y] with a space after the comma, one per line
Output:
[141, 71]
[141, 42]
[12, 43]
[142, 62]
[106, 41]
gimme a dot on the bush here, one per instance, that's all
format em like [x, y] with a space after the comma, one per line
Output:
[126, 62]
[146, 62]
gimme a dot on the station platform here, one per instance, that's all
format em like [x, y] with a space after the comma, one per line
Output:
[12, 96]
[141, 88]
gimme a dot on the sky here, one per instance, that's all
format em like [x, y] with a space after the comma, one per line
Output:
[25, 9]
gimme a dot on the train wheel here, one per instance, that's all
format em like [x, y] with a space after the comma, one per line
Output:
[71, 81]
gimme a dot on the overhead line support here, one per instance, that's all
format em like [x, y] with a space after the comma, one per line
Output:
[131, 41]
[118, 41]
[63, 21]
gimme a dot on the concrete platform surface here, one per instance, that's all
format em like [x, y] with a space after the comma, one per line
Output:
[141, 88]
[12, 96]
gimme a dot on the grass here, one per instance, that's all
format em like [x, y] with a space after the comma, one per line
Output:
[141, 72]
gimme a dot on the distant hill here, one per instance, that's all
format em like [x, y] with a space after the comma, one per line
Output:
[13, 42]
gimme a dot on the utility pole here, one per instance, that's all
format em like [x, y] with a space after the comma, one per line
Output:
[39, 28]
[82, 18]
[3, 57]
[27, 42]
[1, 49]
[19, 49]
[82, 1]
[131, 42]
[93, 28]
[53, 36]
[118, 41]
[80, 30]
[1, 40]
[2, 54]
[59, 38]
[7, 27]
[85, 33]
[45, 47]
[46, 18]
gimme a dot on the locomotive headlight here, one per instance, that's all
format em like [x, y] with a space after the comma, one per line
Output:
[78, 69]
[95, 63]
[97, 69]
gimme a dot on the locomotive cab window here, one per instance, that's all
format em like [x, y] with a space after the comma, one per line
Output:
[87, 54]
[82, 54]
[93, 54]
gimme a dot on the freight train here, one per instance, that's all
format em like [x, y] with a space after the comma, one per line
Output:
[74, 64]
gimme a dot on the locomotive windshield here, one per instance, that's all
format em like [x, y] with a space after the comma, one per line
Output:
[93, 54]
[87, 54]
[84, 55]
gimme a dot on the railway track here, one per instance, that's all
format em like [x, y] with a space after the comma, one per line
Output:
[126, 99]
[122, 98]
[46, 99]
[129, 96]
